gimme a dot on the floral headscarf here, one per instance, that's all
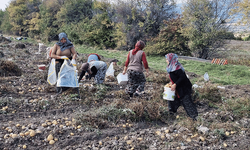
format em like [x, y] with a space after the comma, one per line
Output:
[174, 64]
[138, 46]
[65, 45]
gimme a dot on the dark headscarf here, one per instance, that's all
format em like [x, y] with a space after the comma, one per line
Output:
[138, 46]
[65, 45]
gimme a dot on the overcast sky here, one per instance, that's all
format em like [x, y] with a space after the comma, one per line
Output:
[4, 3]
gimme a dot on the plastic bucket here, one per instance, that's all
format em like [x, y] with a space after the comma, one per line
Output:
[41, 67]
[168, 94]
[122, 79]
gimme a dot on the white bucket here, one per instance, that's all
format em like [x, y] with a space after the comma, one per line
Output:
[168, 94]
[122, 79]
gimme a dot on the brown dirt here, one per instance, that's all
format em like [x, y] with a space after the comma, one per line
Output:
[28, 102]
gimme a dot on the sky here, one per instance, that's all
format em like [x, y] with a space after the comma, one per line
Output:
[3, 4]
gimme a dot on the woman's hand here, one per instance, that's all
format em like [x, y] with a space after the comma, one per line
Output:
[124, 70]
[173, 87]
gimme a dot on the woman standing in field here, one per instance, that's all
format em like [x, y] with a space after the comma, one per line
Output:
[182, 85]
[63, 49]
[134, 68]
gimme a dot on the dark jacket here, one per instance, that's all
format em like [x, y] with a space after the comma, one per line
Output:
[183, 84]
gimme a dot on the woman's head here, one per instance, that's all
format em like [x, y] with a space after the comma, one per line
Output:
[140, 45]
[170, 56]
[173, 63]
[63, 37]
[64, 42]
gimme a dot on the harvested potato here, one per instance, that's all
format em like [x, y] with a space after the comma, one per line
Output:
[27, 133]
[21, 134]
[129, 142]
[51, 142]
[14, 136]
[50, 137]
[32, 133]
[24, 146]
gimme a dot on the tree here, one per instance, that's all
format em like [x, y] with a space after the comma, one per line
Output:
[47, 23]
[140, 20]
[169, 40]
[205, 23]
[243, 8]
[17, 12]
[155, 13]
[73, 11]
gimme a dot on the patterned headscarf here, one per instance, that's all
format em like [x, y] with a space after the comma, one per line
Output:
[138, 46]
[65, 45]
[174, 64]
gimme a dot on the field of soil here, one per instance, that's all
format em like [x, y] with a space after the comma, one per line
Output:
[33, 116]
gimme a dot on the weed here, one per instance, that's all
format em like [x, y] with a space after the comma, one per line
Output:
[220, 133]
[114, 114]
[101, 91]
[210, 92]
[240, 107]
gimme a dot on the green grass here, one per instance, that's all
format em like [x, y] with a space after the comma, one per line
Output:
[223, 75]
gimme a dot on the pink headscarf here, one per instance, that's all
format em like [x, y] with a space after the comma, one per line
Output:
[173, 63]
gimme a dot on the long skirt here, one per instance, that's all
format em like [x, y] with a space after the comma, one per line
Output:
[187, 103]
[136, 82]
[100, 75]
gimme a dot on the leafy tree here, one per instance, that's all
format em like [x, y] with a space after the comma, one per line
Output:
[129, 24]
[33, 18]
[169, 40]
[140, 20]
[155, 13]
[205, 25]
[5, 23]
[75, 11]
[1, 16]
[243, 8]
[47, 23]
[17, 12]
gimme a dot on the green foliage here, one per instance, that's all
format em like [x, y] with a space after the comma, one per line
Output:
[246, 38]
[2, 13]
[240, 107]
[243, 8]
[5, 22]
[169, 40]
[115, 114]
[18, 10]
[101, 91]
[204, 24]
[73, 11]
[47, 25]
[210, 92]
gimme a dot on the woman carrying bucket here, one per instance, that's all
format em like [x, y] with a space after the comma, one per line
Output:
[182, 85]
[134, 68]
